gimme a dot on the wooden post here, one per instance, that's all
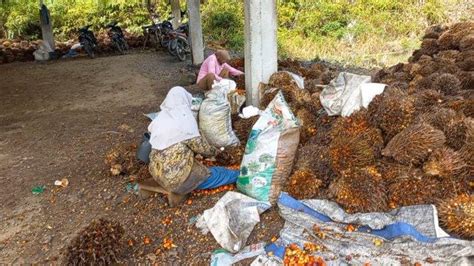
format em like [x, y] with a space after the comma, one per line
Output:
[46, 25]
[195, 31]
[261, 56]
[176, 11]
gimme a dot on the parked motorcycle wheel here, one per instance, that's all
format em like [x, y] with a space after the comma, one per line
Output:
[172, 47]
[164, 42]
[89, 50]
[157, 40]
[182, 48]
[125, 45]
[119, 47]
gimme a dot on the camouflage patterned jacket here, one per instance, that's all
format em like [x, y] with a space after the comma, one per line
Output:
[176, 169]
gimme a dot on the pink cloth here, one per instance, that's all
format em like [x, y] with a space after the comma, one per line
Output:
[211, 65]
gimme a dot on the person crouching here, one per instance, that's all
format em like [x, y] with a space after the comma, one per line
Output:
[175, 140]
[216, 67]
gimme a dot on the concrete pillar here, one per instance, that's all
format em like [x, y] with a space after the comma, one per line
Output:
[176, 11]
[195, 31]
[46, 25]
[261, 55]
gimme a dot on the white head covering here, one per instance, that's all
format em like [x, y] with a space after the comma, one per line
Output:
[175, 122]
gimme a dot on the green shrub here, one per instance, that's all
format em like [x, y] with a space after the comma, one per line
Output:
[334, 29]
[357, 32]
[223, 22]
[20, 16]
[17, 18]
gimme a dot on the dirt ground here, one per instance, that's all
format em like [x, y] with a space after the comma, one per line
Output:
[57, 120]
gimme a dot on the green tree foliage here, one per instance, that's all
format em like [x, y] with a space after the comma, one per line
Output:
[18, 17]
[360, 32]
[354, 31]
[223, 22]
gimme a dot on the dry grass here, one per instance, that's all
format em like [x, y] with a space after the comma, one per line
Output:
[369, 53]
[373, 50]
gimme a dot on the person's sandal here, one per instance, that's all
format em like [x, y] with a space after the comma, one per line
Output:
[175, 199]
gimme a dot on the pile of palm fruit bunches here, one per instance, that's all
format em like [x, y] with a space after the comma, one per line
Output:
[22, 50]
[414, 144]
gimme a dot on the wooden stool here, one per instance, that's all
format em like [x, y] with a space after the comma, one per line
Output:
[149, 187]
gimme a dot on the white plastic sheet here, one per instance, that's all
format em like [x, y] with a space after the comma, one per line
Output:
[232, 220]
[297, 78]
[196, 105]
[42, 52]
[348, 93]
[409, 234]
[249, 111]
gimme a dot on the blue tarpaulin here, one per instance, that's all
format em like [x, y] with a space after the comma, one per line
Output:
[409, 234]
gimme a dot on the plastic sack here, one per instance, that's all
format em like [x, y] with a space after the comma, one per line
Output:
[196, 103]
[144, 149]
[196, 106]
[265, 260]
[236, 101]
[343, 93]
[221, 257]
[297, 78]
[43, 51]
[270, 151]
[215, 120]
[152, 116]
[368, 91]
[232, 220]
[361, 97]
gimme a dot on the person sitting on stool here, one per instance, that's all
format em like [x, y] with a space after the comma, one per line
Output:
[175, 140]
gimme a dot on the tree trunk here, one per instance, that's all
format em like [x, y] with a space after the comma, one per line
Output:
[176, 11]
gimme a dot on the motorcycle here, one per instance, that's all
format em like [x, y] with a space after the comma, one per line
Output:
[179, 44]
[166, 28]
[175, 40]
[157, 32]
[117, 37]
[87, 40]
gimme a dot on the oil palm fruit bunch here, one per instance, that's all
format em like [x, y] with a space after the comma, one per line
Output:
[360, 191]
[413, 190]
[446, 163]
[456, 215]
[100, 243]
[315, 159]
[349, 152]
[392, 113]
[304, 184]
[414, 144]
